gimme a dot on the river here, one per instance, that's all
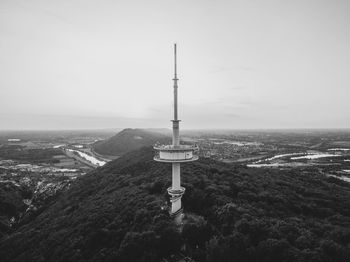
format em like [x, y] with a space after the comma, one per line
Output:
[89, 158]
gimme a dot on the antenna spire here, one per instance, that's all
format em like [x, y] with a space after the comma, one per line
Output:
[175, 61]
[175, 94]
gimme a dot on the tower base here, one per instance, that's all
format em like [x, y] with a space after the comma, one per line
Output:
[176, 210]
[177, 216]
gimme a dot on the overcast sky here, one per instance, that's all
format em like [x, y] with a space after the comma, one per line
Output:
[241, 64]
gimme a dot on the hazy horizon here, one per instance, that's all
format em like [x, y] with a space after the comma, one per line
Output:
[118, 129]
[109, 64]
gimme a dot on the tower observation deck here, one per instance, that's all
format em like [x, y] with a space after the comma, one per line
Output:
[176, 154]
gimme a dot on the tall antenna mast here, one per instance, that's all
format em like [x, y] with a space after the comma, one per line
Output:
[176, 154]
[175, 60]
[175, 84]
[176, 135]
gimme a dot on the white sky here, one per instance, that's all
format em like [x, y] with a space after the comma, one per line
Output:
[242, 64]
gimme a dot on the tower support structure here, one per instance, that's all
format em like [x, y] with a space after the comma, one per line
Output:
[176, 154]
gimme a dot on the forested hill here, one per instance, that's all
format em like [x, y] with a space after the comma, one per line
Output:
[232, 214]
[128, 140]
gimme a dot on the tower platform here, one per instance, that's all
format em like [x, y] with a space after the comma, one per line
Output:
[176, 154]
[178, 192]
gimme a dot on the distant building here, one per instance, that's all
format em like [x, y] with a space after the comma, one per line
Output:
[13, 140]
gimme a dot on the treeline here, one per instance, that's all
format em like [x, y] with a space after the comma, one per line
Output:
[17, 152]
[232, 214]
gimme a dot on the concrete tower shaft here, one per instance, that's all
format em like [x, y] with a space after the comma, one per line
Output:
[176, 180]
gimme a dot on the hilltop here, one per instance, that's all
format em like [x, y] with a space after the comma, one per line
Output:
[128, 140]
[232, 212]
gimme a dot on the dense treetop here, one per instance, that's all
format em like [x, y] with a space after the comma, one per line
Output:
[232, 214]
